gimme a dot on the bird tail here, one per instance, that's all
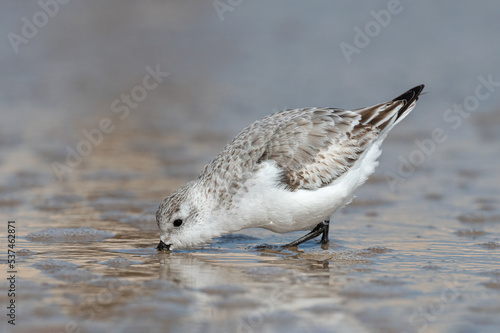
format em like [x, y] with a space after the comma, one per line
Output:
[409, 98]
[385, 115]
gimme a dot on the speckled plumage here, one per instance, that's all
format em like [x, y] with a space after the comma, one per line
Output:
[301, 151]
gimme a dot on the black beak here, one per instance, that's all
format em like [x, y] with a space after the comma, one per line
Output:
[163, 247]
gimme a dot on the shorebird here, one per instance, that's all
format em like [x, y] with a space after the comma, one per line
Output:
[289, 171]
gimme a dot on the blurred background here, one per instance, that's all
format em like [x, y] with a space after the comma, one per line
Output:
[107, 107]
[232, 63]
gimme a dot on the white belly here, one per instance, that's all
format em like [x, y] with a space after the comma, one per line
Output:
[268, 206]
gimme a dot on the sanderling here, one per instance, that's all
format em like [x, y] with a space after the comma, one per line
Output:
[289, 171]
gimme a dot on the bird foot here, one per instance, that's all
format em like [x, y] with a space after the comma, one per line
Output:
[321, 228]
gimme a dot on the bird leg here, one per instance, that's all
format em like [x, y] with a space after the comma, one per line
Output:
[326, 228]
[321, 228]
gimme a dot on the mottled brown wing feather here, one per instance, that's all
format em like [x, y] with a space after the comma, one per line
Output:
[319, 145]
[313, 146]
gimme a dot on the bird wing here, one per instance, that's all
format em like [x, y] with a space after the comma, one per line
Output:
[312, 146]
[316, 146]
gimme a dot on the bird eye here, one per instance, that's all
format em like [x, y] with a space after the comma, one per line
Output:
[177, 223]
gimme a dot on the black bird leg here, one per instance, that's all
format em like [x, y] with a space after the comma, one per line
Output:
[321, 228]
[326, 228]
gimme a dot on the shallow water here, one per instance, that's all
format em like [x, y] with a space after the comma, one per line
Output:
[424, 258]
[419, 254]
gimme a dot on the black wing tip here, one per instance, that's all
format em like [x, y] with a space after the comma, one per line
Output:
[411, 94]
[409, 97]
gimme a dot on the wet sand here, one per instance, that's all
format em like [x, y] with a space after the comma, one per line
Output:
[421, 258]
